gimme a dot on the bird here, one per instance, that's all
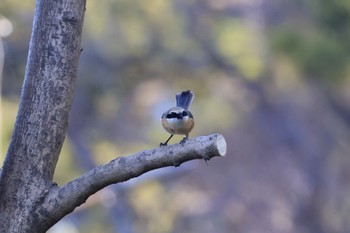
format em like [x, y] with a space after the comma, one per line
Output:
[179, 120]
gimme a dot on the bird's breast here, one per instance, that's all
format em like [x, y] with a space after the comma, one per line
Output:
[178, 126]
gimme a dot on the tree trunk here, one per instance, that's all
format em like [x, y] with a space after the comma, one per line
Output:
[42, 118]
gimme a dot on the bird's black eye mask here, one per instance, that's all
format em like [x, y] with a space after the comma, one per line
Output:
[173, 115]
[178, 115]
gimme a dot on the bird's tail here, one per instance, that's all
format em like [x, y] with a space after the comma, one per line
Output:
[184, 99]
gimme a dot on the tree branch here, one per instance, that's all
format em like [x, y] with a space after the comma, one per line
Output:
[63, 200]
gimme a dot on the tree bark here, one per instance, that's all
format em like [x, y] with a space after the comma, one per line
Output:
[42, 117]
[29, 200]
[56, 202]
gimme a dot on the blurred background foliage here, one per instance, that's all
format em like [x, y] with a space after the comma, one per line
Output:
[272, 76]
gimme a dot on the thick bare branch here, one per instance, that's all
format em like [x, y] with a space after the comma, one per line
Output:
[63, 200]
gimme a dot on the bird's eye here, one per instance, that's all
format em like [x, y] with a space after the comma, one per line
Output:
[171, 115]
[184, 113]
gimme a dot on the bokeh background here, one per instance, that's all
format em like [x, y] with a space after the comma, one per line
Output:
[272, 76]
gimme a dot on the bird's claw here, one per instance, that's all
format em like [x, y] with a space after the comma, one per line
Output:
[163, 144]
[182, 142]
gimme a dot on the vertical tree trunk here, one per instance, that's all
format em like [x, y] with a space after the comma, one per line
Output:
[43, 113]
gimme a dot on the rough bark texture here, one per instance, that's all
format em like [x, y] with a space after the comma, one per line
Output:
[43, 112]
[57, 202]
[29, 200]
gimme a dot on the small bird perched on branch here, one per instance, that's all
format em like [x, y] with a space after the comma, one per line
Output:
[179, 120]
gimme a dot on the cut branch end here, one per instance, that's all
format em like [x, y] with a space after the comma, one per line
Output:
[221, 145]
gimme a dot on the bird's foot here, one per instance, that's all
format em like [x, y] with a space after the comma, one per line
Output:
[182, 142]
[163, 144]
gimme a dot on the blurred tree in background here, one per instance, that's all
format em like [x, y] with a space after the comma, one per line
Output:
[272, 76]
